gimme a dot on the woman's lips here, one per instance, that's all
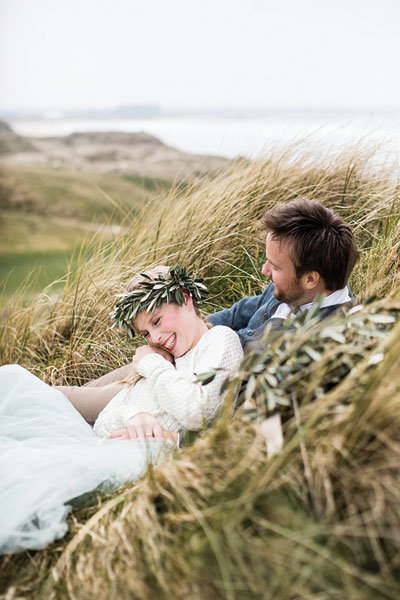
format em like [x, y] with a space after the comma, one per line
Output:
[170, 342]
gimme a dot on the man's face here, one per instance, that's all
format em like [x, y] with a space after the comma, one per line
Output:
[288, 287]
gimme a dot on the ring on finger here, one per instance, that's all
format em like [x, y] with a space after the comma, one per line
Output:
[148, 435]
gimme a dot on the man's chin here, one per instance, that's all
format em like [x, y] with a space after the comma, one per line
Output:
[279, 296]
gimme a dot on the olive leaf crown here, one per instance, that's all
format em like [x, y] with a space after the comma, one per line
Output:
[153, 292]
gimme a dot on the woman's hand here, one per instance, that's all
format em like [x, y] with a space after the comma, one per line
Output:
[163, 353]
[144, 350]
[143, 425]
[140, 353]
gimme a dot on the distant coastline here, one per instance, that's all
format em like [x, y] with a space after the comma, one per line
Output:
[150, 111]
[225, 132]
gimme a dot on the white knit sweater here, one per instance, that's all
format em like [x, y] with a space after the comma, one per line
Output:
[170, 393]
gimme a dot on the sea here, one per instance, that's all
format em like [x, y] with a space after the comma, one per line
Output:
[245, 135]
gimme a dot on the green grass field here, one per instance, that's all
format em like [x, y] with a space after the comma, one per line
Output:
[47, 213]
[33, 271]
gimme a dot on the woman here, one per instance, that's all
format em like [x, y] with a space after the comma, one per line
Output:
[48, 452]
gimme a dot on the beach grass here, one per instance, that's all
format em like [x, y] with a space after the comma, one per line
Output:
[320, 519]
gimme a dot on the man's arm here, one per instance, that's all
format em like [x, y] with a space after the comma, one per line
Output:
[239, 314]
[248, 316]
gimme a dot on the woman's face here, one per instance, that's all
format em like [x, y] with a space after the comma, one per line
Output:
[174, 328]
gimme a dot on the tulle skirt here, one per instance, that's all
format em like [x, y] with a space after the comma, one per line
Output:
[49, 455]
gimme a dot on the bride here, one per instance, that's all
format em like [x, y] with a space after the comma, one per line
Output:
[50, 455]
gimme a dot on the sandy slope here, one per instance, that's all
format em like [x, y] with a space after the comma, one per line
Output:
[134, 153]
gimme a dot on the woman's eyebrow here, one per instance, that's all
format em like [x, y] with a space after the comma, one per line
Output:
[152, 315]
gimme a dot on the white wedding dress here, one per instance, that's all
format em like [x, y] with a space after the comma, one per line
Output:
[49, 455]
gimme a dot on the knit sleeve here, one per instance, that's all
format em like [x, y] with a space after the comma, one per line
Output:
[177, 392]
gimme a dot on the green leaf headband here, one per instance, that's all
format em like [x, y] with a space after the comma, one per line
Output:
[153, 292]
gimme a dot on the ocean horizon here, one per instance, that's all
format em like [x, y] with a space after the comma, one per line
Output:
[234, 135]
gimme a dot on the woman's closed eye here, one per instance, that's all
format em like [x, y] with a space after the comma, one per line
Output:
[156, 322]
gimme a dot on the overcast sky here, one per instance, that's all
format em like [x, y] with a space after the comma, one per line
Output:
[199, 53]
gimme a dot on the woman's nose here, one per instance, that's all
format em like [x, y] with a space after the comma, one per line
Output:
[154, 337]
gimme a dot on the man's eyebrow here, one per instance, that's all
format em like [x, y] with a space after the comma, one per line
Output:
[269, 260]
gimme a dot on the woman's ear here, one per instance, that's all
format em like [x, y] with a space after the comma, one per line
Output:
[188, 298]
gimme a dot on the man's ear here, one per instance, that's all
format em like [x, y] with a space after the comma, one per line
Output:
[311, 279]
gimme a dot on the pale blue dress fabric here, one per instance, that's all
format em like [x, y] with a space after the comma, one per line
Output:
[50, 455]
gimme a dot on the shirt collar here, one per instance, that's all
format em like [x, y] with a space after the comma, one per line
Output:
[338, 297]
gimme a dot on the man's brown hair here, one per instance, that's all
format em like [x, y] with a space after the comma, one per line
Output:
[318, 240]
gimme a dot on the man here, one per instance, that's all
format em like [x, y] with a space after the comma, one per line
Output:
[310, 251]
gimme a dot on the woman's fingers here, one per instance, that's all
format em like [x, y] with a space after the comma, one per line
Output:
[139, 431]
[132, 431]
[117, 433]
[157, 430]
[145, 430]
[120, 434]
[144, 425]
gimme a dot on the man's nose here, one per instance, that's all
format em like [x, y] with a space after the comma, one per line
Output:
[266, 270]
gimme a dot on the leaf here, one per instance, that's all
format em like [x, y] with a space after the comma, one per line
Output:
[382, 319]
[354, 310]
[334, 334]
[376, 358]
[271, 400]
[312, 353]
[205, 378]
[272, 380]
[371, 333]
[225, 385]
[151, 305]
[250, 387]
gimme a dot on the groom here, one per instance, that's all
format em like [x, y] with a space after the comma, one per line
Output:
[310, 251]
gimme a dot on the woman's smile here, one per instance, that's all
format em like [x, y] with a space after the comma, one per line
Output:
[173, 327]
[170, 342]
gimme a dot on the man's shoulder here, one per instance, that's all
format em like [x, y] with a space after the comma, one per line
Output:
[277, 323]
[337, 309]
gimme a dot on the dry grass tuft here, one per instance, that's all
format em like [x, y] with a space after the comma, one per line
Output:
[320, 520]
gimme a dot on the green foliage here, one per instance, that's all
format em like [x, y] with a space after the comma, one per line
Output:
[310, 357]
